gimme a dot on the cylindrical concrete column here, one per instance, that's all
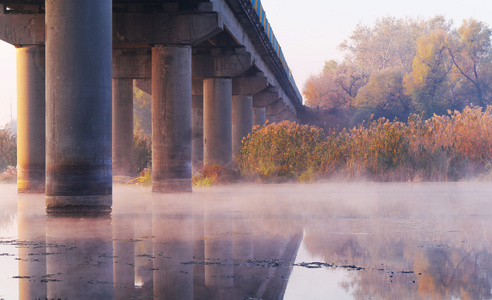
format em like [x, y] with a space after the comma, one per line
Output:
[30, 119]
[78, 105]
[171, 118]
[197, 130]
[123, 127]
[259, 116]
[242, 120]
[217, 120]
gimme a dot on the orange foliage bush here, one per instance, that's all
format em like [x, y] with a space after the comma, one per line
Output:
[441, 148]
[286, 149]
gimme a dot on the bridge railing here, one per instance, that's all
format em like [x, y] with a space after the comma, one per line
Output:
[267, 28]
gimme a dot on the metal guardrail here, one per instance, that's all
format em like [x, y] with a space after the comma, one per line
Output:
[267, 28]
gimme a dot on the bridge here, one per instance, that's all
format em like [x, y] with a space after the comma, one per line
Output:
[214, 69]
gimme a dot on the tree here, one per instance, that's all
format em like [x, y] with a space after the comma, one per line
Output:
[429, 81]
[471, 54]
[142, 113]
[334, 88]
[384, 95]
[390, 43]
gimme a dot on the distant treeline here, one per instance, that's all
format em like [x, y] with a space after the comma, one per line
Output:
[398, 67]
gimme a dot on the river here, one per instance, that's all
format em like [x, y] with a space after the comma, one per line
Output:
[272, 241]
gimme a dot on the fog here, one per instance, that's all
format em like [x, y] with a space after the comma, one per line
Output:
[271, 241]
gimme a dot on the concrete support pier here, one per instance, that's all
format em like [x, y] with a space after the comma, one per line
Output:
[31, 119]
[123, 127]
[217, 120]
[78, 106]
[171, 118]
[259, 116]
[197, 130]
[242, 120]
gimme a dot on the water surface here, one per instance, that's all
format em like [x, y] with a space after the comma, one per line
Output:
[315, 241]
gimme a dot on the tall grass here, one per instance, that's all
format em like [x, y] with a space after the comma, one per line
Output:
[443, 148]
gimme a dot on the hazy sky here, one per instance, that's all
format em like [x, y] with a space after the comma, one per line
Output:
[309, 31]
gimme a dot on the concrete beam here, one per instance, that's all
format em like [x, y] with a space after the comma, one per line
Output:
[221, 65]
[281, 111]
[249, 85]
[145, 85]
[132, 63]
[265, 98]
[275, 107]
[22, 29]
[181, 28]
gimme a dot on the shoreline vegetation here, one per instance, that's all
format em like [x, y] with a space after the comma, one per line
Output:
[453, 147]
[449, 148]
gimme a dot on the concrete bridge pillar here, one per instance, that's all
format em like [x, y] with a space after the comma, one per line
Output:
[122, 127]
[78, 106]
[197, 129]
[31, 119]
[259, 116]
[217, 120]
[197, 121]
[171, 118]
[243, 89]
[242, 119]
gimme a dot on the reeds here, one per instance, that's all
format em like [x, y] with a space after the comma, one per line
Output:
[443, 148]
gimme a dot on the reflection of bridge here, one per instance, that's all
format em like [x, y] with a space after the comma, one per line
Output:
[175, 250]
[216, 62]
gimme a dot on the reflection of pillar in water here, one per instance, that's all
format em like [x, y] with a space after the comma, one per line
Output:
[244, 246]
[198, 246]
[173, 246]
[143, 276]
[219, 253]
[124, 255]
[79, 258]
[245, 276]
[32, 259]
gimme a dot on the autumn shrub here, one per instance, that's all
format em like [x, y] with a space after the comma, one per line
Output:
[455, 146]
[279, 150]
[378, 151]
[142, 151]
[211, 174]
[443, 148]
[8, 149]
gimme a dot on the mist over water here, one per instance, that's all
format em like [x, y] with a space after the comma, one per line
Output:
[315, 241]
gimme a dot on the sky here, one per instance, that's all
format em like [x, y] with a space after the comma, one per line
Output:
[309, 32]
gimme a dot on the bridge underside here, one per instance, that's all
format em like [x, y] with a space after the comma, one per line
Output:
[208, 67]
